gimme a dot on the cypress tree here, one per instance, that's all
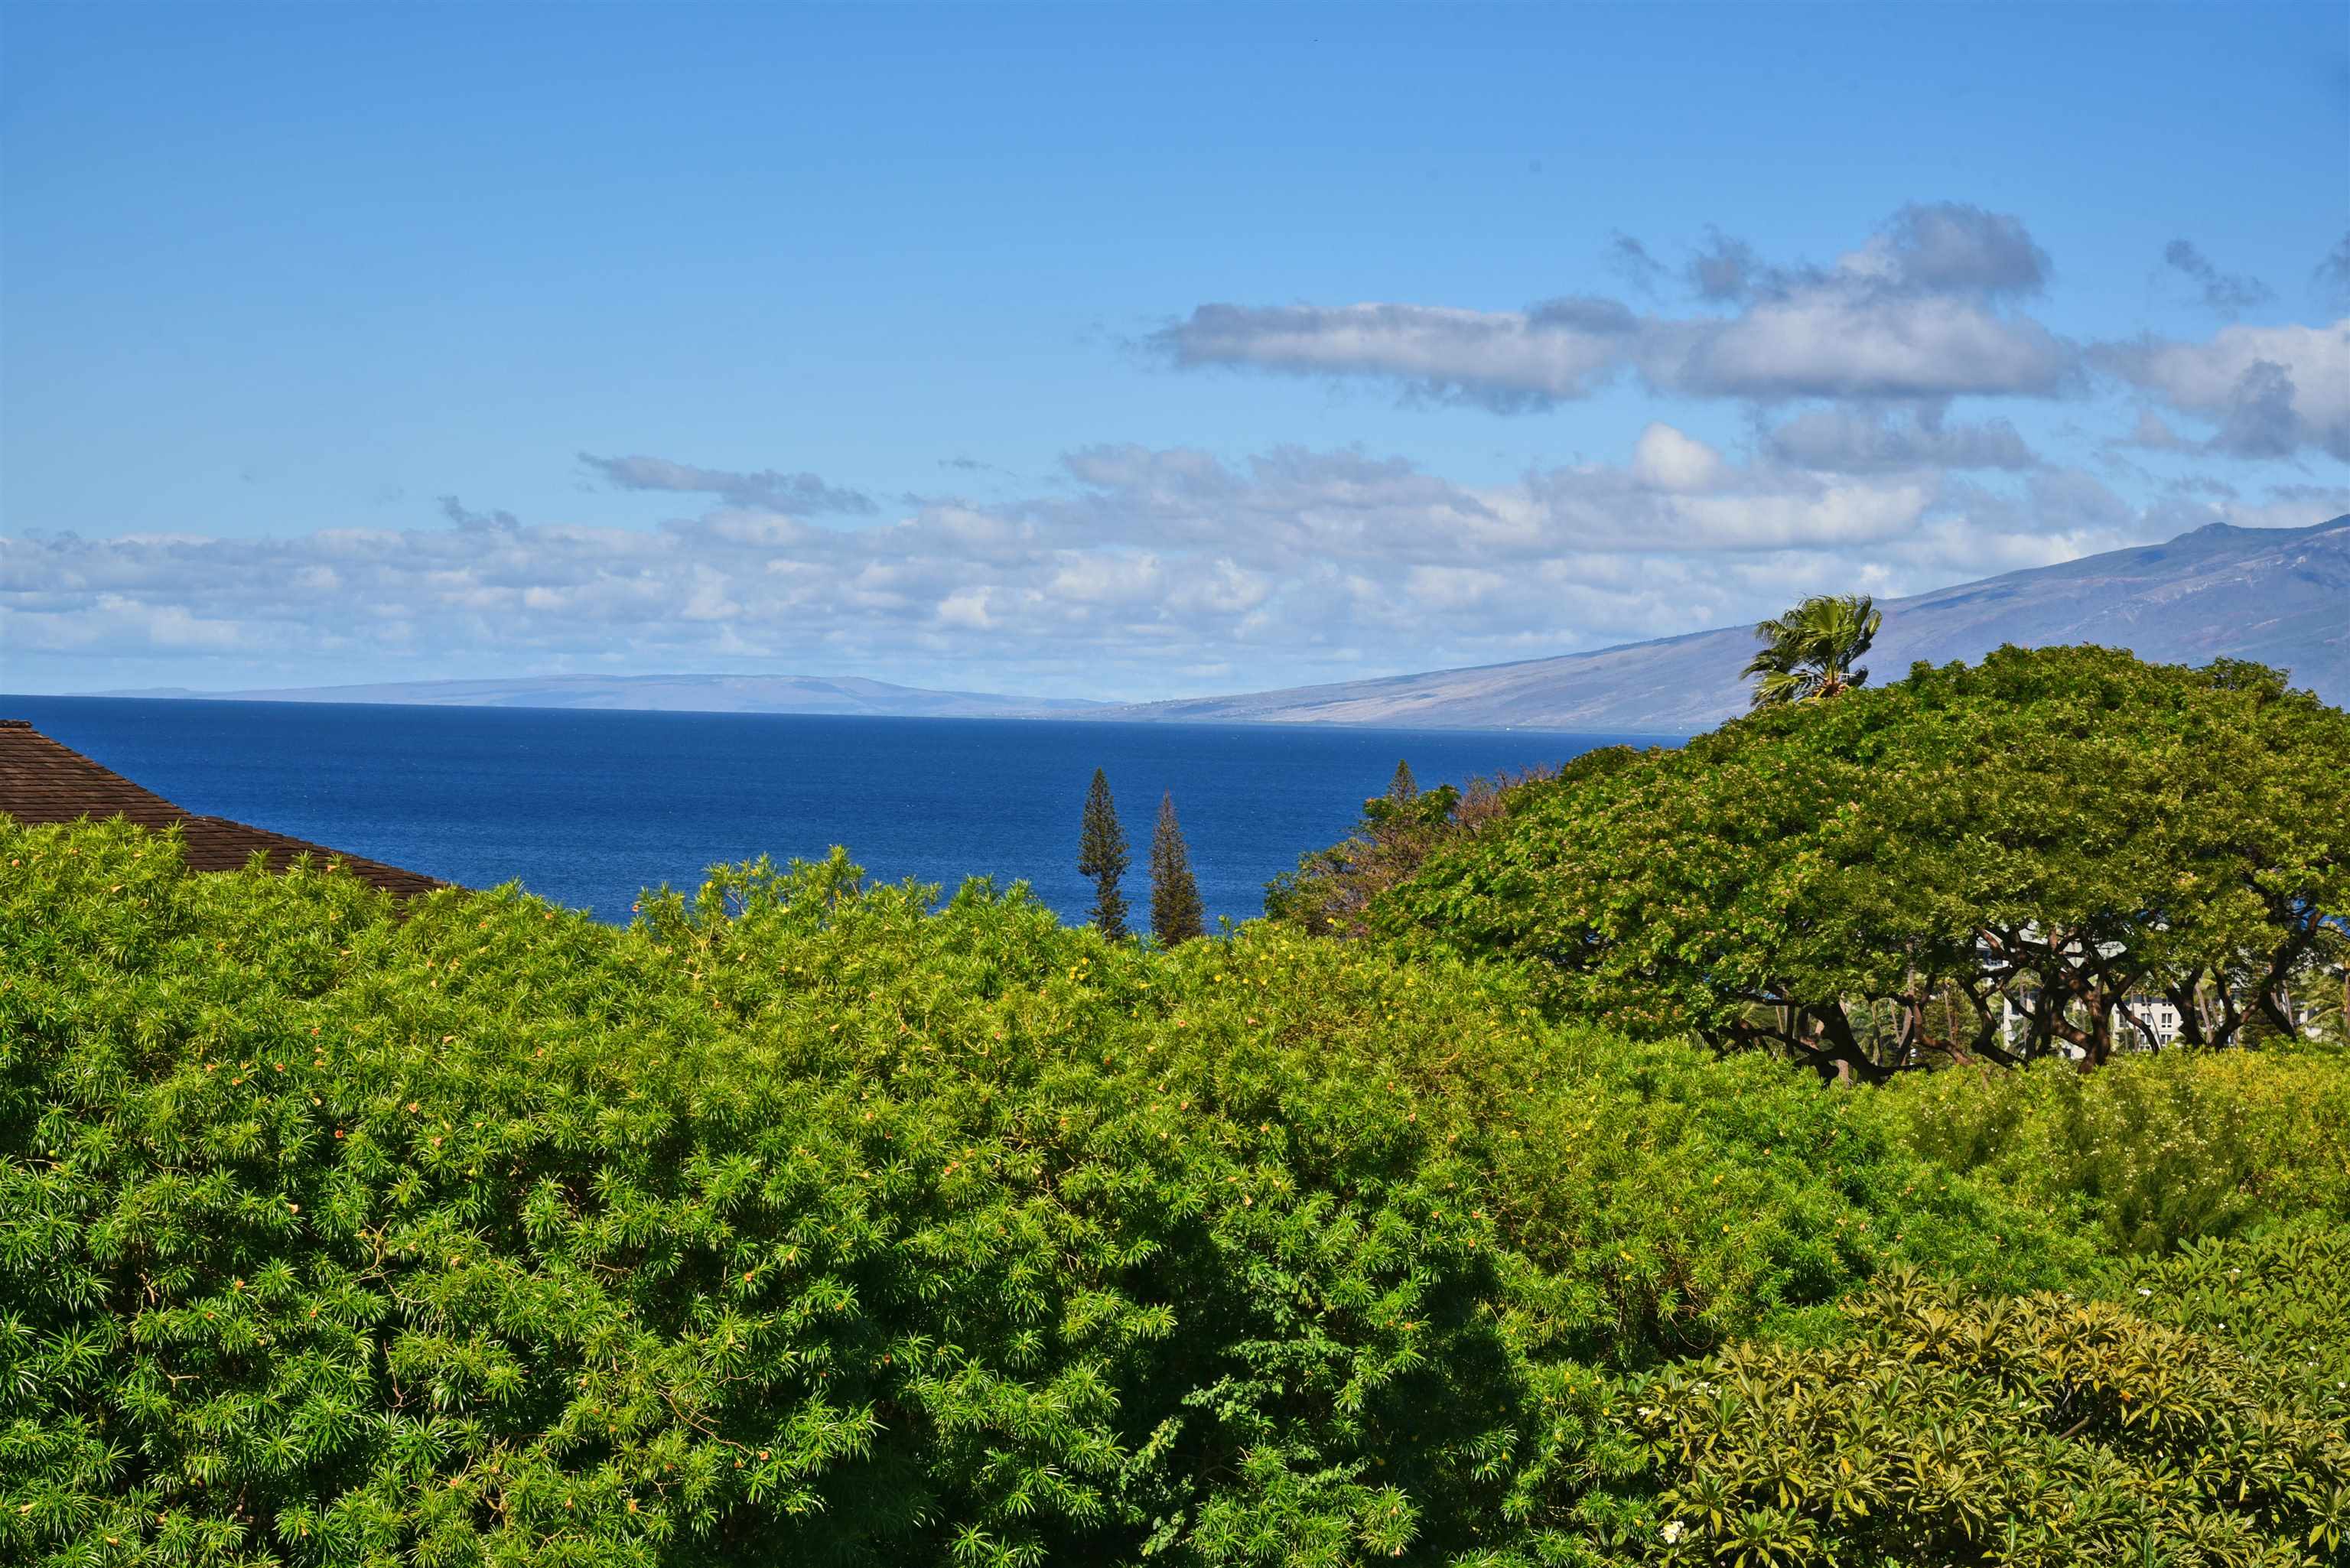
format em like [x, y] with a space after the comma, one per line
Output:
[1176, 915]
[1403, 786]
[1102, 855]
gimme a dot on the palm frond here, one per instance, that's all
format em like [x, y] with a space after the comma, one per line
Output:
[1810, 649]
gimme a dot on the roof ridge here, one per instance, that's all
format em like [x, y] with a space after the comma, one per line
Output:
[45, 780]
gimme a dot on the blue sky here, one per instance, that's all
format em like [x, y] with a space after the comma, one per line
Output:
[1126, 351]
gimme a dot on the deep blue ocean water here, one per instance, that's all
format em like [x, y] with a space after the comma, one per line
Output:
[585, 808]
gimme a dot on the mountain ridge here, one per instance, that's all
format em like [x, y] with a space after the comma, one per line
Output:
[2277, 595]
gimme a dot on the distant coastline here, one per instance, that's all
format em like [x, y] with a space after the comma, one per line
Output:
[799, 694]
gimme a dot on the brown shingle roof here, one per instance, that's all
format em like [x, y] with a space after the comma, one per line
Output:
[43, 781]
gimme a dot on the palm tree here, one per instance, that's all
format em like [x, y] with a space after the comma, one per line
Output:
[1809, 651]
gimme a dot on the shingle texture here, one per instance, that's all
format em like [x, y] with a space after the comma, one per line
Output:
[44, 781]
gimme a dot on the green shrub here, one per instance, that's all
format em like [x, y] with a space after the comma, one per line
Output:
[1668, 1200]
[2152, 1150]
[2283, 1297]
[804, 1221]
[2035, 1432]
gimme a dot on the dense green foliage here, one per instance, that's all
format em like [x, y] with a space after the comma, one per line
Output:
[2001, 862]
[2283, 1295]
[803, 1220]
[1176, 913]
[2151, 1150]
[2038, 1431]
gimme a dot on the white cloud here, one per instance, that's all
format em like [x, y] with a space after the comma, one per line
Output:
[1922, 310]
[2225, 293]
[965, 608]
[1665, 459]
[1843, 341]
[1857, 440]
[1289, 566]
[2268, 391]
[1498, 357]
[767, 490]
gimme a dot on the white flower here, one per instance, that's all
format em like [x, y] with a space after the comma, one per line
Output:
[2144, 1291]
[1671, 1531]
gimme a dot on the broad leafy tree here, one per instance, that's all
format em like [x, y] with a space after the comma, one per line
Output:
[2006, 861]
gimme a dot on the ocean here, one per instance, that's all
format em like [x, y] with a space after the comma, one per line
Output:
[587, 807]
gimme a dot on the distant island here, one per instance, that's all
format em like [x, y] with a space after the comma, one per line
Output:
[2271, 595]
[846, 694]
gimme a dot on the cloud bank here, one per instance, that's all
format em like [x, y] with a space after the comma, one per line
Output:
[2267, 391]
[1146, 565]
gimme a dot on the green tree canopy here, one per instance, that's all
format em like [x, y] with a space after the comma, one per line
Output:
[2006, 861]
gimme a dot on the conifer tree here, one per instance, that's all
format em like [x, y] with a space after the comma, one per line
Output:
[1403, 786]
[1102, 855]
[1176, 915]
